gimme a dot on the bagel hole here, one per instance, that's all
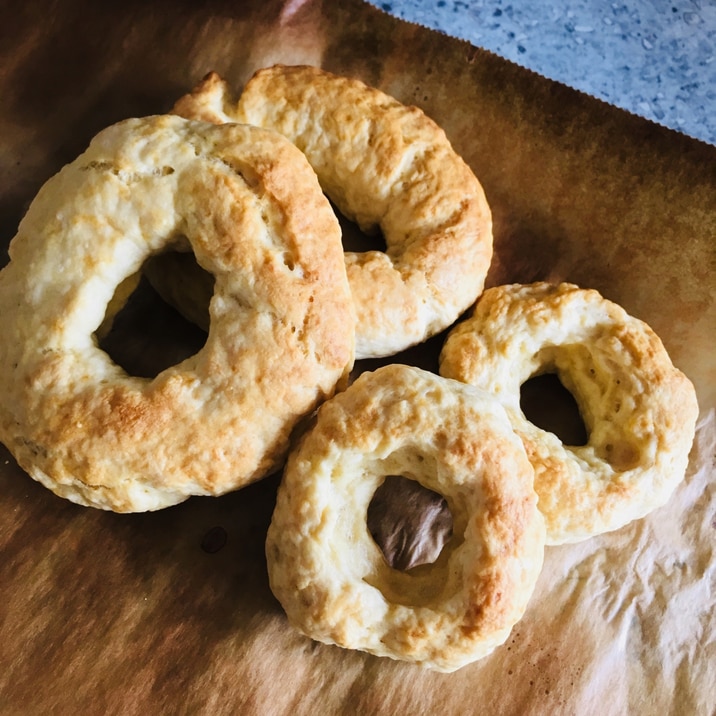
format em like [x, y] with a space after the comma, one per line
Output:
[410, 523]
[143, 333]
[356, 240]
[550, 406]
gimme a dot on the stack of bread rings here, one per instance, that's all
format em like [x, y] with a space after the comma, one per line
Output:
[242, 187]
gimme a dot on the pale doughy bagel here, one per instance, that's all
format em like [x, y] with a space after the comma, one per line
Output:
[638, 409]
[387, 166]
[248, 204]
[329, 574]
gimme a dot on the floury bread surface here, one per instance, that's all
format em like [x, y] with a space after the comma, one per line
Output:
[639, 410]
[248, 205]
[329, 574]
[388, 167]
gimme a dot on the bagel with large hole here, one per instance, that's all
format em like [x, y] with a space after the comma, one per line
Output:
[247, 204]
[332, 578]
[638, 409]
[388, 167]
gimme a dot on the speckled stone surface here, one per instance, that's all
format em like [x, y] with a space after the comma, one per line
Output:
[655, 58]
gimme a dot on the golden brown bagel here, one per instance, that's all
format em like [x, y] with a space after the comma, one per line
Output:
[248, 205]
[639, 410]
[329, 574]
[386, 166]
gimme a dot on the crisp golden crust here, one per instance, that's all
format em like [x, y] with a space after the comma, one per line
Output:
[386, 166]
[329, 574]
[639, 410]
[281, 331]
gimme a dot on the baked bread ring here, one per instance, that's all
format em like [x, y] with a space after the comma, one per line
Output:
[248, 204]
[386, 166]
[332, 578]
[639, 410]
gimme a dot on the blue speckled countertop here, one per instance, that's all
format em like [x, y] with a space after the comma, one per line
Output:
[655, 58]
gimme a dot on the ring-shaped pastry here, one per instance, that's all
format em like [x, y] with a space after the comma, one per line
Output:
[639, 410]
[332, 578]
[386, 166]
[248, 205]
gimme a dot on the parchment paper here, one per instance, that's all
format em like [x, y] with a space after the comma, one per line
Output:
[171, 612]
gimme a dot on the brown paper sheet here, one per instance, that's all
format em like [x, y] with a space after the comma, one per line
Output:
[171, 612]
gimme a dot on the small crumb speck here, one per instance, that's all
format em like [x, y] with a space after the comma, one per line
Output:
[214, 540]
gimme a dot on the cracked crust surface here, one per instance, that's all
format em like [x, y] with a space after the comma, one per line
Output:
[248, 205]
[387, 167]
[639, 410]
[329, 574]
